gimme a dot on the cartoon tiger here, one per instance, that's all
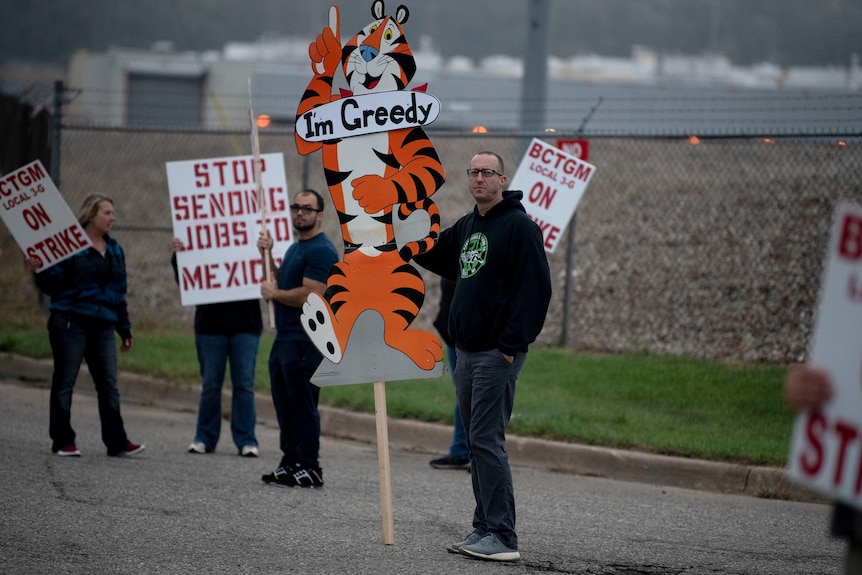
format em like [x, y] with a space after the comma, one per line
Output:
[372, 179]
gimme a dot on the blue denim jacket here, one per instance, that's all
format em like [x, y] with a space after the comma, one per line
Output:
[90, 287]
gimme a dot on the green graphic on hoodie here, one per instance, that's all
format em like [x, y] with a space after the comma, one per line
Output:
[473, 254]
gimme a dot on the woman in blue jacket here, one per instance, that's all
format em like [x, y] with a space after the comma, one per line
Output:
[88, 304]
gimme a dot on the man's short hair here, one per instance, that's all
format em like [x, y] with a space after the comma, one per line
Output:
[314, 193]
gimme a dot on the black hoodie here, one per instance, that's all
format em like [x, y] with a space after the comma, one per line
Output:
[503, 282]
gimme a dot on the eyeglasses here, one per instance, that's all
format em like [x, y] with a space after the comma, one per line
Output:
[304, 209]
[486, 173]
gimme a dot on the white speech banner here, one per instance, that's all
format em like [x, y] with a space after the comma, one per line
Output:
[38, 217]
[367, 114]
[216, 214]
[826, 449]
[553, 182]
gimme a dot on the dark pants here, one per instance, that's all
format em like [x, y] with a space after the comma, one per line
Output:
[291, 365]
[70, 343]
[485, 387]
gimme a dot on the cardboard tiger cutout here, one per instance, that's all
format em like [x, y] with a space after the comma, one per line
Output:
[381, 170]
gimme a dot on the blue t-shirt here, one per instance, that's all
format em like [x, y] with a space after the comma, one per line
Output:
[312, 259]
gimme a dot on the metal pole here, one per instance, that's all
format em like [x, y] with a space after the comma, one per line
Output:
[567, 289]
[306, 167]
[570, 253]
[55, 133]
[534, 85]
[54, 168]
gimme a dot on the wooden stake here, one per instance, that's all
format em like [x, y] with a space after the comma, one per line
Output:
[383, 462]
[261, 197]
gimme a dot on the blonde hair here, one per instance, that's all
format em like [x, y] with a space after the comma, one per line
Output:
[90, 208]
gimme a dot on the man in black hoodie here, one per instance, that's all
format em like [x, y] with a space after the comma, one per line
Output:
[503, 288]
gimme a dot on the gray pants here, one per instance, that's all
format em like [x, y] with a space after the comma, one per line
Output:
[485, 387]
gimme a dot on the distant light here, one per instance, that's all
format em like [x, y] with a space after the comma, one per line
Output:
[841, 143]
[768, 141]
[263, 121]
[479, 130]
[551, 130]
[693, 140]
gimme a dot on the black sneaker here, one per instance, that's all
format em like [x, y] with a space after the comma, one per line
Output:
[296, 477]
[127, 451]
[450, 462]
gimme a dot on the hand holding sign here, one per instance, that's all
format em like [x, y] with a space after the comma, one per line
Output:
[807, 387]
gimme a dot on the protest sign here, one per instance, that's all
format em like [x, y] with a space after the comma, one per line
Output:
[553, 182]
[38, 216]
[215, 210]
[826, 449]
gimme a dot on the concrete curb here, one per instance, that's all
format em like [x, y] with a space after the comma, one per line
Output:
[434, 439]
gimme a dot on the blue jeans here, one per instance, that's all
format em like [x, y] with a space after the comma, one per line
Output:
[291, 365]
[71, 342]
[485, 387]
[214, 353]
[459, 438]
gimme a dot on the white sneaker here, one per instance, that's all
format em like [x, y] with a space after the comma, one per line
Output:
[249, 451]
[197, 447]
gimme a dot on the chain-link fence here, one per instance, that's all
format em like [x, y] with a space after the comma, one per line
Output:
[708, 249]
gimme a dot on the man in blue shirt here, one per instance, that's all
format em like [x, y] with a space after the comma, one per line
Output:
[294, 358]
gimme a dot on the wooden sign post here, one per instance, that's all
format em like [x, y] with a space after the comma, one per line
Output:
[383, 462]
[261, 199]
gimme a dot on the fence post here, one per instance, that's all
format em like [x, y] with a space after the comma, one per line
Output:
[567, 289]
[54, 168]
[55, 132]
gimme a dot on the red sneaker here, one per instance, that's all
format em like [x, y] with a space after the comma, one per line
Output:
[68, 451]
[129, 449]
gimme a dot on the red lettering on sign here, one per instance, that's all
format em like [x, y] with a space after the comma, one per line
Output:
[282, 229]
[200, 278]
[542, 195]
[850, 243]
[226, 173]
[241, 172]
[23, 178]
[216, 205]
[277, 201]
[202, 176]
[559, 160]
[36, 216]
[57, 246]
[854, 287]
[581, 173]
[550, 232]
[814, 454]
[244, 272]
[811, 458]
[846, 432]
[233, 274]
[217, 235]
[535, 150]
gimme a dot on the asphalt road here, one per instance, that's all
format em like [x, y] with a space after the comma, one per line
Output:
[167, 511]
